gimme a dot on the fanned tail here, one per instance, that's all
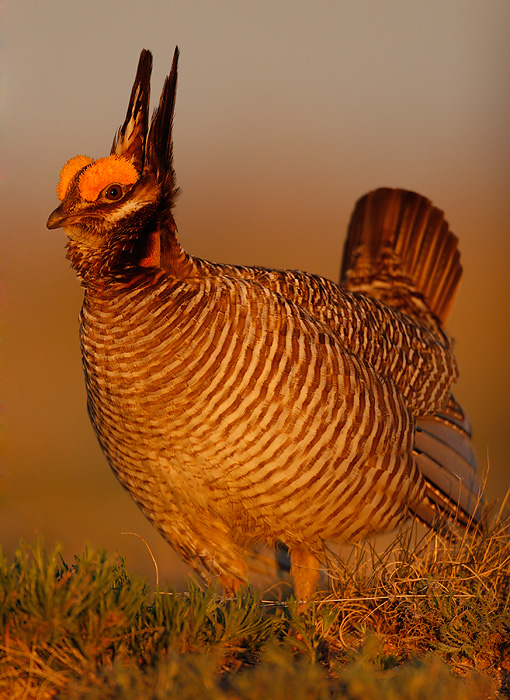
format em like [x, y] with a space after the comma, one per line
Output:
[400, 250]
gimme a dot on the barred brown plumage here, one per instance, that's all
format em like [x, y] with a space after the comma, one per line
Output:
[242, 405]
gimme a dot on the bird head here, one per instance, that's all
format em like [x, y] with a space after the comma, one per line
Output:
[115, 209]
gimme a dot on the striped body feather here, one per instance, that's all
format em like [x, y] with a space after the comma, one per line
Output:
[419, 360]
[215, 398]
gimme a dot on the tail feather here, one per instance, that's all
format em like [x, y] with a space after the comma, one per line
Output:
[445, 456]
[446, 429]
[400, 250]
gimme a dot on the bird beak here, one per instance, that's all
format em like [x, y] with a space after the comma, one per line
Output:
[57, 218]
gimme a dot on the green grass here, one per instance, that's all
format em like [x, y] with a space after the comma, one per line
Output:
[423, 619]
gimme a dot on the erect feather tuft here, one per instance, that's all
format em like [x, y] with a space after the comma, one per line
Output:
[69, 170]
[104, 172]
[159, 147]
[129, 141]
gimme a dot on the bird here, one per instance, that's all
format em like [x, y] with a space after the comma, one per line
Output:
[243, 406]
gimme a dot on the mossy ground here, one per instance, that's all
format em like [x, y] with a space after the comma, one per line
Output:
[422, 620]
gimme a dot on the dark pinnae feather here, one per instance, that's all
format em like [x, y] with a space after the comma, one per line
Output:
[129, 140]
[159, 150]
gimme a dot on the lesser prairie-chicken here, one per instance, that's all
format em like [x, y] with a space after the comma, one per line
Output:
[243, 405]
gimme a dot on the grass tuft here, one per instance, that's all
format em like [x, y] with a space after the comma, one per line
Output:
[423, 619]
[426, 593]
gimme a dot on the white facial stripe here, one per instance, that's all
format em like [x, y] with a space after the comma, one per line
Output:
[127, 208]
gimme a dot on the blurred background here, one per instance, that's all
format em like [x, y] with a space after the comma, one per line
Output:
[287, 112]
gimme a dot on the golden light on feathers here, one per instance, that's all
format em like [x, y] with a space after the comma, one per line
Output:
[243, 405]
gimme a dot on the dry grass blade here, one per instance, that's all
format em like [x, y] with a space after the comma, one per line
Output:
[90, 631]
[423, 592]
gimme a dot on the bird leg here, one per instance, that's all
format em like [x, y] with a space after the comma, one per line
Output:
[305, 568]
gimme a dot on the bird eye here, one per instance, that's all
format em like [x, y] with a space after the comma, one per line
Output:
[113, 192]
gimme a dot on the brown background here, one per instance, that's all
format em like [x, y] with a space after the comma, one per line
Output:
[287, 112]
